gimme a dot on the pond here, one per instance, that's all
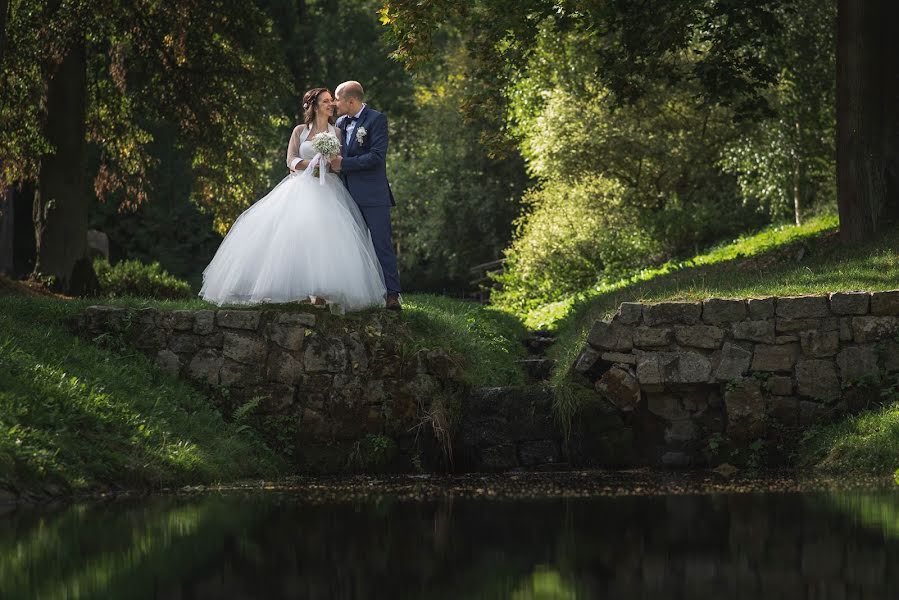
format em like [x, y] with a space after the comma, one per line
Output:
[374, 538]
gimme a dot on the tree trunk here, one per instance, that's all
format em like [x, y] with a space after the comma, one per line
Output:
[865, 68]
[61, 201]
[797, 173]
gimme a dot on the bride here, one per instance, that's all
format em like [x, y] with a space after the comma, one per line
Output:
[303, 240]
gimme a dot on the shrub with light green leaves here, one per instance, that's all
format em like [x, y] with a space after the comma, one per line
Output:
[134, 278]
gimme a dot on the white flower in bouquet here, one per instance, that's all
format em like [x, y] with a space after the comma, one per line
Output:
[326, 144]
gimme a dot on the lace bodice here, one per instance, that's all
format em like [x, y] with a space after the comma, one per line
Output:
[306, 150]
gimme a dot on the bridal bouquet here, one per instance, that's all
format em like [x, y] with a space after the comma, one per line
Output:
[325, 145]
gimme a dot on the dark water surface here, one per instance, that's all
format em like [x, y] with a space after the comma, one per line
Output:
[278, 544]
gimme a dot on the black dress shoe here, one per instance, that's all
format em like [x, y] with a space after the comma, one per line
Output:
[393, 302]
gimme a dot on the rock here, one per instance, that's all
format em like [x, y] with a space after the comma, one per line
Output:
[325, 354]
[680, 431]
[784, 410]
[499, 458]
[819, 344]
[283, 367]
[247, 348]
[685, 313]
[235, 374]
[745, 407]
[649, 337]
[302, 319]
[734, 362]
[760, 308]
[873, 329]
[212, 340]
[289, 336]
[620, 388]
[885, 303]
[726, 470]
[438, 361]
[586, 360]
[817, 379]
[699, 336]
[802, 307]
[276, 398]
[239, 319]
[673, 367]
[184, 342]
[182, 320]
[786, 339]
[630, 313]
[205, 366]
[797, 325]
[538, 453]
[676, 459]
[779, 386]
[845, 329]
[774, 358]
[667, 406]
[611, 336]
[850, 303]
[754, 331]
[858, 365]
[619, 358]
[168, 361]
[716, 311]
[811, 413]
[891, 356]
[204, 322]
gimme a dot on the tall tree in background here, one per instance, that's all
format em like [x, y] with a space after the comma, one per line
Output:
[735, 66]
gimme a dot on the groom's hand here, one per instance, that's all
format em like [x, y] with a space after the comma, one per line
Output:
[335, 162]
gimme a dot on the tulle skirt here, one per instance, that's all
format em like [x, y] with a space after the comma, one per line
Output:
[302, 239]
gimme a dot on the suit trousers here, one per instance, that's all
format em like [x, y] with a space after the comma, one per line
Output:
[378, 220]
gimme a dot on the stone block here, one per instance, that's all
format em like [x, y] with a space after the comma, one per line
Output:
[858, 364]
[276, 398]
[779, 386]
[239, 319]
[786, 339]
[326, 354]
[283, 367]
[733, 363]
[850, 303]
[675, 459]
[745, 408]
[586, 360]
[784, 410]
[699, 336]
[289, 336]
[811, 413]
[215, 339]
[683, 313]
[182, 320]
[667, 406]
[205, 366]
[620, 388]
[788, 326]
[716, 311]
[168, 361]
[845, 329]
[819, 344]
[891, 356]
[619, 358]
[611, 336]
[184, 342]
[235, 374]
[885, 303]
[499, 458]
[673, 367]
[817, 378]
[760, 308]
[540, 452]
[802, 307]
[630, 313]
[693, 368]
[244, 347]
[681, 431]
[652, 337]
[873, 329]
[204, 322]
[298, 319]
[754, 331]
[774, 358]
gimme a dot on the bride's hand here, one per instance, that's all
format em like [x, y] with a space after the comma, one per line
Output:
[335, 162]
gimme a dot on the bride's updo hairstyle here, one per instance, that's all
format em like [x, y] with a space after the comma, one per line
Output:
[310, 106]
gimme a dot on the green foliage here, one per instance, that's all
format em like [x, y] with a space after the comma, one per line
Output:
[133, 278]
[86, 416]
[868, 442]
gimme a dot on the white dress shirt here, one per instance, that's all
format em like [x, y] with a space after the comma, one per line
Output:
[352, 126]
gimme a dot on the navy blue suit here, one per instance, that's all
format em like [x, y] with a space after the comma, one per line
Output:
[364, 172]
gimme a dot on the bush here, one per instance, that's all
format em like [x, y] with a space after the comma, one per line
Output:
[133, 278]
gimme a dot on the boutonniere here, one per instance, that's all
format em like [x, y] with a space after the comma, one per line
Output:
[360, 135]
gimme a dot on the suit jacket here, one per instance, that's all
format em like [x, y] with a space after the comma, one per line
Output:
[364, 165]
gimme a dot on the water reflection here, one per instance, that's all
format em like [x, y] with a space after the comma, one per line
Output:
[275, 546]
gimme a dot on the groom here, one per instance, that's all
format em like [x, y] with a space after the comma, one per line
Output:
[363, 166]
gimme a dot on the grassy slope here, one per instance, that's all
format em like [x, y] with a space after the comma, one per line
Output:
[74, 413]
[764, 264]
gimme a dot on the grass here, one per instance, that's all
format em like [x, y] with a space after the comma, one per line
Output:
[778, 261]
[75, 414]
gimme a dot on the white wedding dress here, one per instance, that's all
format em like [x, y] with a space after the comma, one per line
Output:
[302, 239]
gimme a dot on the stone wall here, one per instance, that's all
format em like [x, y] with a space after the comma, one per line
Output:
[335, 393]
[695, 379]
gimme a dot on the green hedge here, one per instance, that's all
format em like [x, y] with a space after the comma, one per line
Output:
[134, 278]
